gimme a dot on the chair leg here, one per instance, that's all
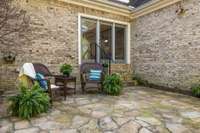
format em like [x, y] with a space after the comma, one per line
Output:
[75, 87]
[83, 87]
[50, 92]
[99, 87]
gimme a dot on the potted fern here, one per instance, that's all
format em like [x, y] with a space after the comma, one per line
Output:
[29, 102]
[112, 84]
[66, 69]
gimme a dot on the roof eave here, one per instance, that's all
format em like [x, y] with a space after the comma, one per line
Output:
[151, 7]
[106, 6]
[123, 10]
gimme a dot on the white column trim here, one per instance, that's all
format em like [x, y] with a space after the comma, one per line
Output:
[113, 42]
[98, 53]
[79, 39]
[128, 47]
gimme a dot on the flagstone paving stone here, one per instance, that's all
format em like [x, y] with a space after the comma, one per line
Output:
[79, 121]
[90, 127]
[137, 110]
[130, 127]
[121, 120]
[144, 130]
[150, 120]
[191, 115]
[5, 126]
[64, 131]
[177, 128]
[21, 124]
[107, 124]
[28, 130]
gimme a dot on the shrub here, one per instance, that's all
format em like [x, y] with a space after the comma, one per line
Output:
[196, 90]
[29, 102]
[66, 69]
[112, 84]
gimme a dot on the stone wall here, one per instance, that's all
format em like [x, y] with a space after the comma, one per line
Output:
[53, 38]
[166, 46]
[125, 71]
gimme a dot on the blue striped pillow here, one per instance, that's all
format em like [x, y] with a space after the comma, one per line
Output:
[95, 74]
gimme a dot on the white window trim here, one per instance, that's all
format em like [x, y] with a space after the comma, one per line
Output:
[127, 54]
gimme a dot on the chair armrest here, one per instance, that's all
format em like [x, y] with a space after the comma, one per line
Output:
[54, 76]
[48, 83]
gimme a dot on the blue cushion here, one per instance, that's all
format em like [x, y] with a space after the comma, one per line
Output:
[95, 74]
[42, 82]
[95, 71]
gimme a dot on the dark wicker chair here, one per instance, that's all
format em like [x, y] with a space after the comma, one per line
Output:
[84, 75]
[40, 68]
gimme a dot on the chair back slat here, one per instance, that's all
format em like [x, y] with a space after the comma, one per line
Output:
[40, 68]
[86, 67]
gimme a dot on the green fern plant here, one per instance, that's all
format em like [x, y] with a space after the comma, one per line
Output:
[196, 90]
[66, 69]
[29, 102]
[112, 84]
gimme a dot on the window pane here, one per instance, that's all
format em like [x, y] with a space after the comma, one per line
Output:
[105, 39]
[88, 39]
[120, 41]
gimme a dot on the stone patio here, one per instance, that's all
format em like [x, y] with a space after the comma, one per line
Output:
[137, 110]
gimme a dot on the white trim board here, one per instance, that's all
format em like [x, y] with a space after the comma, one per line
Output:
[127, 54]
[103, 19]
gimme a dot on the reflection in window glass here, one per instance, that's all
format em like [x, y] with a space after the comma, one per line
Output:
[88, 39]
[105, 40]
[120, 41]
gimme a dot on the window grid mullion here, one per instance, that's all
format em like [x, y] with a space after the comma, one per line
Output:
[125, 46]
[113, 42]
[98, 42]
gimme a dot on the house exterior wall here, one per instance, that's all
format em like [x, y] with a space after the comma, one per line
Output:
[52, 38]
[165, 46]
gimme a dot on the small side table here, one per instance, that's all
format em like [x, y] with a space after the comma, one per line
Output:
[62, 81]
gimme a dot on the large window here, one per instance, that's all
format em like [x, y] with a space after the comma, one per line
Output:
[102, 40]
[88, 40]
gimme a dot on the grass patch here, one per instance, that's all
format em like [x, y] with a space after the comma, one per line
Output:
[146, 113]
[158, 105]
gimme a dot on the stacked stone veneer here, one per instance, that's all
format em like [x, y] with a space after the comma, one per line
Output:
[166, 46]
[53, 38]
[124, 70]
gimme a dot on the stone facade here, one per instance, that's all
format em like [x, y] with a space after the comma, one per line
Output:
[165, 45]
[53, 38]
